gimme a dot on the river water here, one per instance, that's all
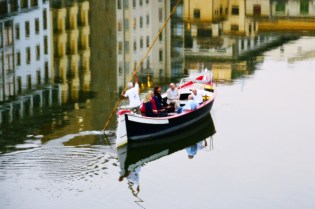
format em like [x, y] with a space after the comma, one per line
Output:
[255, 150]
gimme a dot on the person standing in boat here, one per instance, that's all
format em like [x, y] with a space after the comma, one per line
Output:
[133, 94]
[197, 96]
[173, 96]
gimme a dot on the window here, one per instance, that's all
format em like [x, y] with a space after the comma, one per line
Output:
[161, 55]
[140, 3]
[28, 55]
[24, 4]
[256, 41]
[304, 7]
[119, 47]
[126, 24]
[45, 19]
[127, 46]
[235, 10]
[160, 14]
[135, 46]
[141, 22]
[46, 71]
[234, 27]
[249, 28]
[242, 44]
[134, 23]
[148, 41]
[134, 3]
[39, 77]
[18, 58]
[197, 13]
[257, 9]
[17, 31]
[37, 26]
[29, 81]
[148, 62]
[148, 19]
[1, 41]
[127, 67]
[161, 36]
[147, 1]
[221, 10]
[27, 29]
[119, 25]
[280, 7]
[141, 42]
[120, 68]
[119, 4]
[126, 4]
[45, 45]
[37, 52]
[19, 82]
[34, 3]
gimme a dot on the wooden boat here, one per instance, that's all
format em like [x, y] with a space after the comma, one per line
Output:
[135, 127]
[133, 155]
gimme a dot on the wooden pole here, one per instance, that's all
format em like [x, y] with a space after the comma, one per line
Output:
[141, 62]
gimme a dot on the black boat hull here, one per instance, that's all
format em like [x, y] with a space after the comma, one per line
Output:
[145, 130]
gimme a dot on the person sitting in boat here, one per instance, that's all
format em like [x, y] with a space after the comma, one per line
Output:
[160, 103]
[173, 96]
[149, 107]
[197, 96]
[133, 94]
[160, 106]
[190, 105]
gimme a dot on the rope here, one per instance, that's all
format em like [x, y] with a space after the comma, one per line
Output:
[141, 62]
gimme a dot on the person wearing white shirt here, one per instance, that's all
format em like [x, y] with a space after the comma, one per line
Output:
[133, 94]
[173, 96]
[197, 96]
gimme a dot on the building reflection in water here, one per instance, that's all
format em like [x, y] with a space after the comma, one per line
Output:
[71, 32]
[138, 23]
[47, 58]
[25, 57]
[225, 36]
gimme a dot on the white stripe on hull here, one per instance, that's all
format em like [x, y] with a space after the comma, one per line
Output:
[140, 119]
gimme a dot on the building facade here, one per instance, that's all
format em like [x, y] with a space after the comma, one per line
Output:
[138, 23]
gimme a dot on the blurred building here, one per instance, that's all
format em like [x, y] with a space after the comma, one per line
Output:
[138, 24]
[228, 30]
[290, 15]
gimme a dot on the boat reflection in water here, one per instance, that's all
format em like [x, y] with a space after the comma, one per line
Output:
[136, 154]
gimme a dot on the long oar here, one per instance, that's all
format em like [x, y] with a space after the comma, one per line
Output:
[140, 63]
